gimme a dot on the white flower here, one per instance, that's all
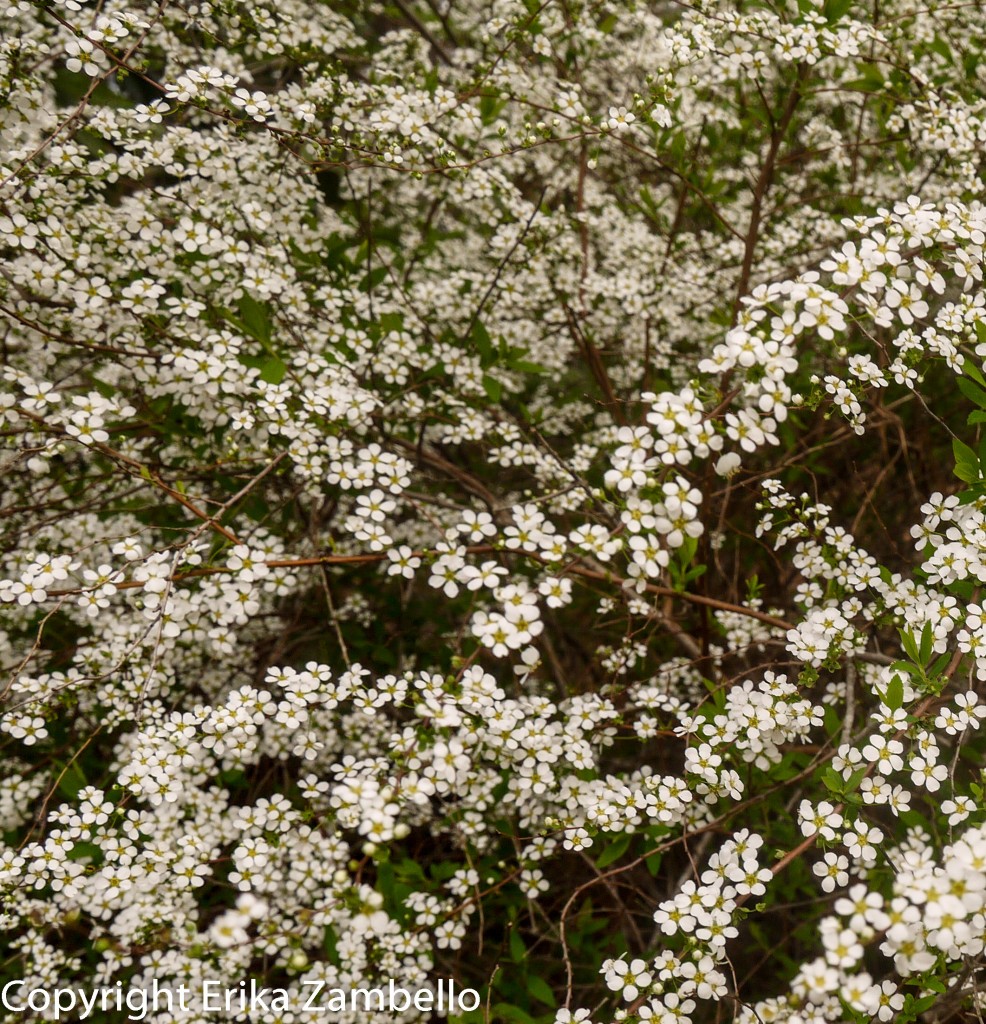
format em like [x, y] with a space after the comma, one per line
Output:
[627, 978]
[619, 118]
[728, 465]
[661, 116]
[832, 870]
[403, 562]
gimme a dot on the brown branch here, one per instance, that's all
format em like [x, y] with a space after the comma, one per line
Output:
[422, 29]
[762, 187]
[596, 367]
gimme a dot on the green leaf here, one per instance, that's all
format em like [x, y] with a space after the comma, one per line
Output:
[939, 46]
[718, 695]
[905, 667]
[273, 371]
[86, 851]
[409, 870]
[484, 344]
[106, 390]
[443, 871]
[854, 781]
[677, 147]
[523, 366]
[517, 948]
[832, 780]
[385, 880]
[255, 318]
[540, 989]
[373, 278]
[871, 80]
[614, 851]
[973, 392]
[511, 1014]
[832, 722]
[966, 462]
[969, 368]
[488, 109]
[894, 697]
[927, 641]
[329, 945]
[71, 780]
[834, 10]
[391, 322]
[686, 551]
[492, 387]
[907, 642]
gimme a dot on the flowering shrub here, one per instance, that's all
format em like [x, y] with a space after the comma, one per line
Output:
[494, 491]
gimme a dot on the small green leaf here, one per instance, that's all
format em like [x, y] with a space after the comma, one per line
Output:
[907, 641]
[969, 368]
[966, 462]
[834, 10]
[273, 371]
[524, 366]
[540, 989]
[832, 781]
[511, 1014]
[86, 852]
[385, 880]
[894, 697]
[871, 80]
[517, 948]
[678, 145]
[409, 870]
[391, 322]
[484, 344]
[373, 278]
[492, 387]
[939, 46]
[927, 641]
[905, 667]
[488, 108]
[851, 784]
[255, 318]
[973, 392]
[832, 722]
[614, 851]
[71, 781]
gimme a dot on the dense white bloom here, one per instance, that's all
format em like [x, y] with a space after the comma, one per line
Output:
[379, 587]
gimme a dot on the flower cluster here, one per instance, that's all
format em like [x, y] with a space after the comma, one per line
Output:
[493, 481]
